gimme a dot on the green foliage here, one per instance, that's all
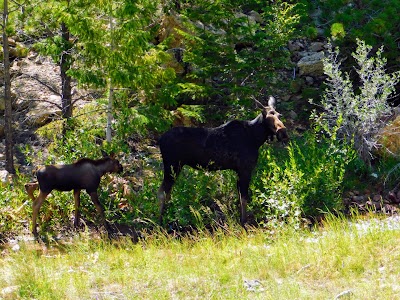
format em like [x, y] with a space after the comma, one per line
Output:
[13, 207]
[195, 112]
[304, 182]
[374, 21]
[358, 111]
[203, 198]
[121, 55]
[337, 31]
[231, 54]
[311, 32]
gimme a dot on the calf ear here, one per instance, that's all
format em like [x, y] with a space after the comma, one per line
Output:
[104, 153]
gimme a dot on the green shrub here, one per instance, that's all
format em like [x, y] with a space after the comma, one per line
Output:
[14, 207]
[337, 31]
[357, 112]
[199, 198]
[304, 182]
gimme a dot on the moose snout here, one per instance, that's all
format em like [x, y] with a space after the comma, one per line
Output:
[282, 136]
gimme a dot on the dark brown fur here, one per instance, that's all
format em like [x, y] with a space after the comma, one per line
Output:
[233, 145]
[85, 174]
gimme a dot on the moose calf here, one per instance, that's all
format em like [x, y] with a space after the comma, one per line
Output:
[85, 174]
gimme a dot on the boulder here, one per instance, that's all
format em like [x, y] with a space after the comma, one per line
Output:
[295, 45]
[4, 177]
[44, 112]
[390, 137]
[311, 64]
[316, 46]
[38, 117]
[255, 16]
[19, 51]
[170, 28]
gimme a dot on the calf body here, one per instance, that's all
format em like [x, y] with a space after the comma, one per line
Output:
[233, 145]
[85, 174]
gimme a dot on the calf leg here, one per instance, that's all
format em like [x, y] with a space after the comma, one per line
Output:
[99, 208]
[243, 189]
[30, 188]
[164, 192]
[77, 200]
[37, 203]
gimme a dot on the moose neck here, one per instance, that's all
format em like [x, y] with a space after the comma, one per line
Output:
[103, 167]
[259, 131]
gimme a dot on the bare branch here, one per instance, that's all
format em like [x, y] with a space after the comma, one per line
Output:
[43, 100]
[43, 83]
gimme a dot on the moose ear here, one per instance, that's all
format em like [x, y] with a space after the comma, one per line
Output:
[271, 102]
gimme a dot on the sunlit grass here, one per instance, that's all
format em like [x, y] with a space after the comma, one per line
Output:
[338, 257]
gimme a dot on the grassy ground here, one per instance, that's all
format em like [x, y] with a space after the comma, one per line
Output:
[340, 258]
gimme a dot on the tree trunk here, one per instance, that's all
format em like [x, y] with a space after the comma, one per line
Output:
[111, 87]
[109, 113]
[65, 63]
[7, 97]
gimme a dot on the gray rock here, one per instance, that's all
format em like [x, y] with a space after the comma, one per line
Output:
[309, 80]
[294, 46]
[4, 177]
[312, 64]
[255, 16]
[317, 46]
[39, 117]
[345, 295]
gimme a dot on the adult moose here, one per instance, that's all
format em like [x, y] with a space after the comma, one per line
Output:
[233, 146]
[85, 174]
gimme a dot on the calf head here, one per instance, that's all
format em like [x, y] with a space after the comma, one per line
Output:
[113, 165]
[273, 123]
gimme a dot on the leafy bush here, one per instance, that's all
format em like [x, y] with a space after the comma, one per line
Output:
[232, 54]
[375, 21]
[358, 112]
[304, 182]
[202, 198]
[14, 206]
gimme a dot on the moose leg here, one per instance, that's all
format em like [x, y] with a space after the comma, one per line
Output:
[99, 208]
[243, 189]
[77, 200]
[164, 192]
[37, 203]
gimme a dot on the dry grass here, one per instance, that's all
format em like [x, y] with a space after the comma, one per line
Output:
[360, 262]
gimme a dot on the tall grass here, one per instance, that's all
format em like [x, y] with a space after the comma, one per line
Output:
[339, 257]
